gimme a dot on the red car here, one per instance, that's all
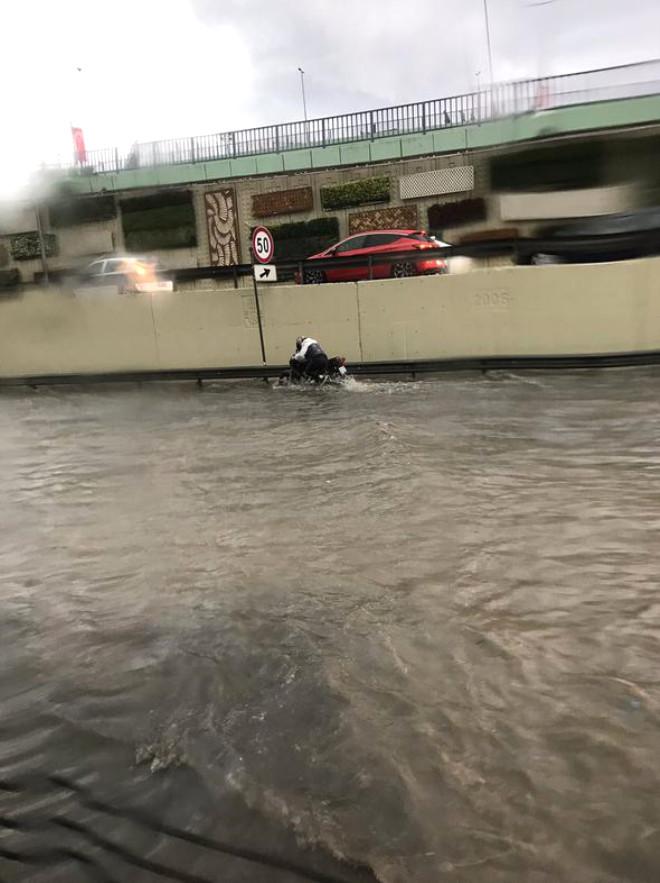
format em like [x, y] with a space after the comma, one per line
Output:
[377, 242]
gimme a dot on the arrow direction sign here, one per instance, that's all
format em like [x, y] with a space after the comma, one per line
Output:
[265, 272]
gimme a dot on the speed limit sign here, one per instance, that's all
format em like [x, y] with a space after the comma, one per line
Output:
[263, 246]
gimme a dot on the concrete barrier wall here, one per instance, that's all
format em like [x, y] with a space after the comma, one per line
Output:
[55, 332]
[60, 332]
[516, 311]
[558, 310]
[206, 329]
[328, 312]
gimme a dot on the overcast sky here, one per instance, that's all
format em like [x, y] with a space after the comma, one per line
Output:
[153, 69]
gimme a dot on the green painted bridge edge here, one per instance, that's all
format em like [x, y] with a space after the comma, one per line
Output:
[579, 118]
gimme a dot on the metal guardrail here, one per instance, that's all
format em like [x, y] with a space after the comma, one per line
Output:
[287, 270]
[522, 96]
[609, 246]
[404, 368]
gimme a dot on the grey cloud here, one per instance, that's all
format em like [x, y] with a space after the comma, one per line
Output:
[356, 54]
[365, 53]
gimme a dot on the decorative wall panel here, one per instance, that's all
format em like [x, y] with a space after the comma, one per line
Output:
[220, 206]
[282, 202]
[452, 180]
[401, 217]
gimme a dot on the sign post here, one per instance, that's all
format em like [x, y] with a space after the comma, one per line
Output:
[42, 244]
[263, 249]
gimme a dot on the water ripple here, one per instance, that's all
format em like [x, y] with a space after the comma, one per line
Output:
[410, 624]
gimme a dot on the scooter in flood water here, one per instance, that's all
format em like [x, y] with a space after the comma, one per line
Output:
[336, 375]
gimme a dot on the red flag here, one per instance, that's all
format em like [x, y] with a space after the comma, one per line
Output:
[542, 97]
[79, 144]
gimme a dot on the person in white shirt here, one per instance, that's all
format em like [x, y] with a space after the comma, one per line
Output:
[309, 359]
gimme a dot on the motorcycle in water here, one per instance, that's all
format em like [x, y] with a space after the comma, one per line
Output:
[336, 375]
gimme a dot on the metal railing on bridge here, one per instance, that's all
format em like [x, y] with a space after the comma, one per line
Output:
[500, 100]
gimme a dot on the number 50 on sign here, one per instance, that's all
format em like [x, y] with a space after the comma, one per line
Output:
[263, 246]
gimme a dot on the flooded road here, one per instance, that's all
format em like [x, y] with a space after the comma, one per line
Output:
[413, 625]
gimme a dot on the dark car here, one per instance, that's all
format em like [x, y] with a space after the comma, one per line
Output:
[615, 237]
[377, 243]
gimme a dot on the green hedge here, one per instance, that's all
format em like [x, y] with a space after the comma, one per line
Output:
[25, 246]
[70, 213]
[162, 220]
[9, 278]
[149, 240]
[300, 239]
[305, 229]
[166, 218]
[354, 193]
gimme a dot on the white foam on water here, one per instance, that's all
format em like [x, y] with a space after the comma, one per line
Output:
[516, 378]
[353, 385]
[381, 387]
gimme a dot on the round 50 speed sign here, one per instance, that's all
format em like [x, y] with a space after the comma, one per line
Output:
[263, 246]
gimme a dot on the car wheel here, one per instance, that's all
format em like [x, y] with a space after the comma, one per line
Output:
[313, 277]
[405, 268]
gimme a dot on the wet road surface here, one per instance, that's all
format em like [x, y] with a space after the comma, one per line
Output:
[413, 625]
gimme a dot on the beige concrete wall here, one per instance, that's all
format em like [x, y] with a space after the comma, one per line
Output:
[329, 312]
[93, 331]
[57, 332]
[16, 218]
[527, 209]
[516, 311]
[204, 329]
[84, 241]
[511, 311]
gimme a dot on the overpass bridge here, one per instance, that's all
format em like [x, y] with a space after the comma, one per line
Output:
[505, 113]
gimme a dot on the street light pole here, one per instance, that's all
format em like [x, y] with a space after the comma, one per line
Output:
[302, 86]
[490, 52]
[42, 244]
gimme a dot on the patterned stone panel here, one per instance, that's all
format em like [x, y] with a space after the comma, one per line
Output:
[399, 217]
[221, 224]
[489, 235]
[282, 202]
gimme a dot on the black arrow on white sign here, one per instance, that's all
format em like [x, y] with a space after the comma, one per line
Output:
[265, 273]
